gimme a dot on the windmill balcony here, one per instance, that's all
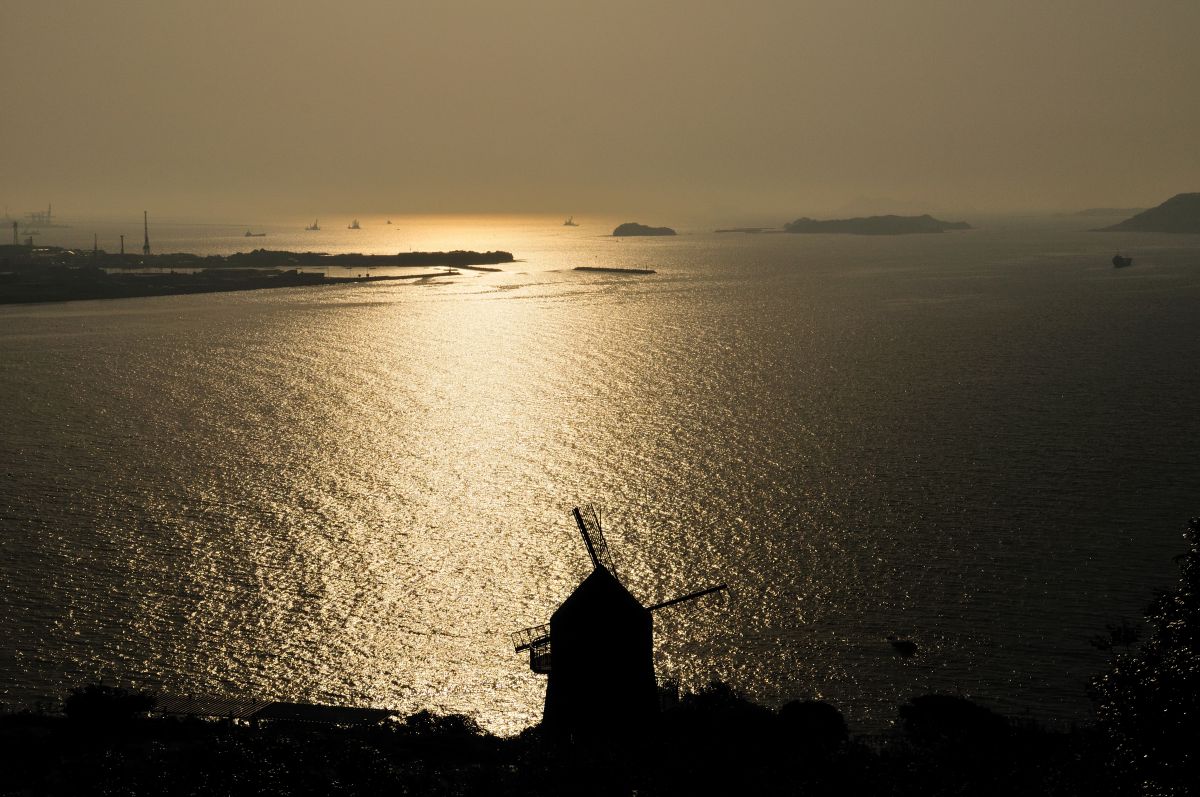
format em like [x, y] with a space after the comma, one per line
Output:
[536, 640]
[539, 658]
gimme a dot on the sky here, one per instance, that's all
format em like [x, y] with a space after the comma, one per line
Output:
[748, 111]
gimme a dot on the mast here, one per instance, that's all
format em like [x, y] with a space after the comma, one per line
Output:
[146, 227]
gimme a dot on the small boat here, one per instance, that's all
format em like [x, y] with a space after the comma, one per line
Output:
[255, 234]
[389, 221]
[314, 226]
[1120, 261]
[353, 225]
[570, 222]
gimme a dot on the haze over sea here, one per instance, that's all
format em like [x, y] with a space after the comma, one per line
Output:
[984, 440]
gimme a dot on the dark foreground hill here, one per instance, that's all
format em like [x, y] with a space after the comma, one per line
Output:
[876, 225]
[712, 742]
[1179, 214]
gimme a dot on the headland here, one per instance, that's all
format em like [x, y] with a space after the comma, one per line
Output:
[1179, 214]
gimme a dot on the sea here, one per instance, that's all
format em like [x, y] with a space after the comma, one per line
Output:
[981, 441]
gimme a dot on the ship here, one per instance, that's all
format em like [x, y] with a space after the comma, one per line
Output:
[570, 222]
[353, 225]
[1120, 261]
[255, 234]
[314, 226]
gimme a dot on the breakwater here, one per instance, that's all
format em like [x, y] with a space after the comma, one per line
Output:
[615, 270]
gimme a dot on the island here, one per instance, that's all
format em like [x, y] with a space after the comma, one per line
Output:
[1179, 214]
[876, 225]
[54, 274]
[633, 228]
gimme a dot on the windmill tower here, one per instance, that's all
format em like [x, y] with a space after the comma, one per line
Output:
[601, 679]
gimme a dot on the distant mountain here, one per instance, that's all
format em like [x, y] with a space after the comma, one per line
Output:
[633, 228]
[876, 225]
[1108, 211]
[1180, 213]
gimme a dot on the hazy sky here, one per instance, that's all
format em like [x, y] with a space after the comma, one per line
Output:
[655, 110]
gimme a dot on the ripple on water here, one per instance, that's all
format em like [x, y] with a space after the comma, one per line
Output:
[353, 495]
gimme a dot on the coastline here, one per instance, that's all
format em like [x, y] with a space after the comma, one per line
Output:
[32, 275]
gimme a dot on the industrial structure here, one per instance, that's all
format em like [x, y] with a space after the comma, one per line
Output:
[40, 219]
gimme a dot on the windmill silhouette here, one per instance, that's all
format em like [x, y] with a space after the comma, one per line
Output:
[602, 675]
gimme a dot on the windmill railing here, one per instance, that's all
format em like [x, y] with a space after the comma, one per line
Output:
[531, 637]
[539, 657]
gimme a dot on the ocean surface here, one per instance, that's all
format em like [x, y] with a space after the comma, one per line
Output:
[983, 441]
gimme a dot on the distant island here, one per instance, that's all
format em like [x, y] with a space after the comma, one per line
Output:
[1179, 214]
[633, 228]
[876, 225]
[54, 274]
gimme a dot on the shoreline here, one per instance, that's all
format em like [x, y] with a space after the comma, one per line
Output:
[50, 274]
[187, 284]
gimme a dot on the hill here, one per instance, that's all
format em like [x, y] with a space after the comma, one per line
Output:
[1179, 214]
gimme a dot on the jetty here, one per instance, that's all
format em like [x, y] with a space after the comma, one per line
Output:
[615, 270]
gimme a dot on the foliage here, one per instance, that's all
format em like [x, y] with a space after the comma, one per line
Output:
[97, 703]
[1120, 635]
[1148, 703]
[714, 741]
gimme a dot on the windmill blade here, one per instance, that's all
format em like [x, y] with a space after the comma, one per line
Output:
[593, 538]
[691, 596]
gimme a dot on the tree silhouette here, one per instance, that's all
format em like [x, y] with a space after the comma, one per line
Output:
[1148, 703]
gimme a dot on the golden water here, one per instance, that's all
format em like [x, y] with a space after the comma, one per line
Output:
[353, 494]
